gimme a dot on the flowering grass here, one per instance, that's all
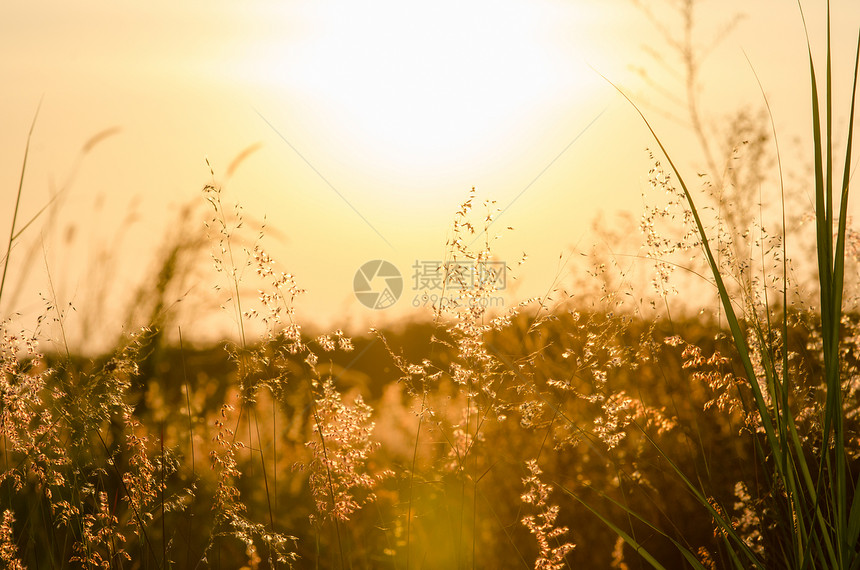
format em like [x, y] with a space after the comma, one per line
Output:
[813, 489]
[608, 430]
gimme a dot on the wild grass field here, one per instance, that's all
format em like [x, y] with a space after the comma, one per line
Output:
[701, 410]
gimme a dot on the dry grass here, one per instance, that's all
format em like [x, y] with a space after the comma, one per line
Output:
[479, 439]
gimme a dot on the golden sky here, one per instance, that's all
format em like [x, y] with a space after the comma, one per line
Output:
[374, 120]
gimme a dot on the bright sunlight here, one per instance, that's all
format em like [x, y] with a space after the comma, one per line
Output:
[437, 86]
[329, 284]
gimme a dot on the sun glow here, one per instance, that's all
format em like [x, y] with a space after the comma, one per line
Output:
[425, 88]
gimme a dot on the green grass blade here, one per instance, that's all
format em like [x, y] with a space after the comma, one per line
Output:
[800, 468]
[725, 299]
[718, 517]
[830, 296]
[640, 550]
[828, 135]
[852, 523]
[852, 534]
[823, 226]
[839, 261]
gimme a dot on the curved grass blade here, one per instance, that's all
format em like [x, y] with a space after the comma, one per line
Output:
[640, 550]
[18, 199]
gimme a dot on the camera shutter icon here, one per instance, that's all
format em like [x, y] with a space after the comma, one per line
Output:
[377, 284]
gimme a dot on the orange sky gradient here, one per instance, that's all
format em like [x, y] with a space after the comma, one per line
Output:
[373, 120]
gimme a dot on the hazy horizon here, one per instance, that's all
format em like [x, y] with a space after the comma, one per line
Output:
[369, 124]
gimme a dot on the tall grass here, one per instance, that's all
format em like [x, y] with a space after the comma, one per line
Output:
[474, 439]
[813, 488]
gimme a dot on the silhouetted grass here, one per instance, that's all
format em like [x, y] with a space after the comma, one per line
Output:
[478, 439]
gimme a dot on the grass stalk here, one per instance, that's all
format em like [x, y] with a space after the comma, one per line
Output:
[18, 200]
[818, 507]
[412, 476]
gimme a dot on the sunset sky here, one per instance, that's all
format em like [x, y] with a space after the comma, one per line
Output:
[374, 120]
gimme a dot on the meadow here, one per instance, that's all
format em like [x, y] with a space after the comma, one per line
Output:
[698, 407]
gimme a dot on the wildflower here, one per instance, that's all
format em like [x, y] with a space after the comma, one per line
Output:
[8, 549]
[339, 479]
[542, 525]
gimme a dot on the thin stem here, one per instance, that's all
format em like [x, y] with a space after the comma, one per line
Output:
[18, 199]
